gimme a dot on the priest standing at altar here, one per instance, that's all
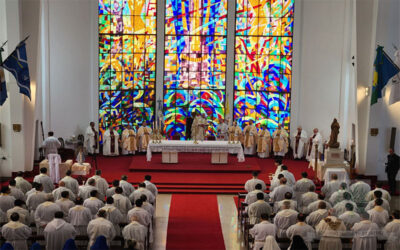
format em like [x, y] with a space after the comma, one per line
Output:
[280, 141]
[235, 132]
[263, 142]
[199, 127]
[110, 145]
[250, 138]
[222, 130]
[128, 141]
[316, 138]
[298, 143]
[143, 136]
[92, 139]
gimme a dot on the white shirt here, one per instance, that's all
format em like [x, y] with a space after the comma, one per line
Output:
[51, 144]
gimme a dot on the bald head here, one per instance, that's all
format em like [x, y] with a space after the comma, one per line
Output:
[283, 181]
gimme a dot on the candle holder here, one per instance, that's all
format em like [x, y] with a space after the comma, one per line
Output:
[157, 136]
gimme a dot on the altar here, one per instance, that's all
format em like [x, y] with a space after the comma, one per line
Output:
[219, 150]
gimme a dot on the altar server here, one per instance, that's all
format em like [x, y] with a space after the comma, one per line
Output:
[101, 183]
[256, 209]
[261, 230]
[51, 144]
[143, 136]
[70, 183]
[302, 229]
[135, 233]
[16, 233]
[284, 219]
[263, 142]
[21, 183]
[250, 185]
[100, 226]
[92, 139]
[80, 216]
[280, 141]
[113, 214]
[235, 133]
[359, 190]
[44, 214]
[250, 138]
[392, 232]
[45, 180]
[299, 140]
[110, 142]
[330, 229]
[57, 232]
[365, 234]
[129, 144]
[315, 139]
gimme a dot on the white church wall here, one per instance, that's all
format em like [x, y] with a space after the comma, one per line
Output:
[382, 115]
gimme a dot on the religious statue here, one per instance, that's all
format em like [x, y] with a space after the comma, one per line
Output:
[333, 143]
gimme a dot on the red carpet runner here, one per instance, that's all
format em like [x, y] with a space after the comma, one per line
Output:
[194, 223]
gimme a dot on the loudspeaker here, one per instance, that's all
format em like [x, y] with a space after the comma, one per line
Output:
[392, 137]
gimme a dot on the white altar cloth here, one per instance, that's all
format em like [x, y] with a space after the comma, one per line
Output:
[201, 147]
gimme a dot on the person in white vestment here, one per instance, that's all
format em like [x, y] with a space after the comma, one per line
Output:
[100, 226]
[315, 139]
[261, 230]
[359, 190]
[250, 138]
[143, 137]
[150, 186]
[366, 234]
[278, 164]
[298, 143]
[65, 204]
[288, 198]
[57, 232]
[222, 130]
[15, 192]
[92, 139]
[61, 188]
[284, 219]
[142, 216]
[51, 144]
[302, 186]
[128, 140]
[392, 232]
[80, 216]
[271, 244]
[93, 203]
[101, 183]
[349, 217]
[329, 188]
[84, 191]
[122, 203]
[16, 233]
[21, 183]
[44, 213]
[45, 180]
[279, 192]
[235, 133]
[340, 207]
[251, 184]
[140, 191]
[70, 183]
[263, 142]
[257, 208]
[330, 229]
[135, 233]
[36, 198]
[337, 196]
[280, 142]
[288, 175]
[110, 142]
[316, 216]
[197, 129]
[126, 186]
[302, 229]
[378, 214]
[113, 215]
[306, 199]
[111, 191]
[378, 195]
[251, 197]
[275, 182]
[385, 194]
[24, 215]
[314, 205]
[147, 206]
[6, 200]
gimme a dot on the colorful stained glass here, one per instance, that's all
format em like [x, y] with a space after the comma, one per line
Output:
[195, 62]
[263, 61]
[127, 58]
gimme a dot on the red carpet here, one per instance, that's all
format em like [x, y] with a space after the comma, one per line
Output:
[194, 162]
[194, 223]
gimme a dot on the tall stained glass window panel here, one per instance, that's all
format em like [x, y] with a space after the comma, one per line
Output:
[195, 62]
[263, 61]
[127, 62]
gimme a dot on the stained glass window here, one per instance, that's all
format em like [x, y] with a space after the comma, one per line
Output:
[195, 62]
[127, 62]
[263, 61]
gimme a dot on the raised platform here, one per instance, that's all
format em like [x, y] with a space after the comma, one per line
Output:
[193, 162]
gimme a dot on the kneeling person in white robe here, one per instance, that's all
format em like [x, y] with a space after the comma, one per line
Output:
[359, 190]
[93, 203]
[378, 214]
[16, 233]
[100, 226]
[134, 234]
[44, 214]
[80, 216]
[314, 218]
[284, 219]
[21, 183]
[392, 232]
[57, 232]
[302, 229]
[302, 186]
[350, 217]
[45, 180]
[261, 230]
[365, 234]
[113, 214]
[329, 188]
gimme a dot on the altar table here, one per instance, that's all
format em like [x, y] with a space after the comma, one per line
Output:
[218, 149]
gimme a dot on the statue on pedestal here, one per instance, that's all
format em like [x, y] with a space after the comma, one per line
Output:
[333, 143]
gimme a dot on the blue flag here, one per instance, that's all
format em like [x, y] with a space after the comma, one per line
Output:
[3, 88]
[17, 64]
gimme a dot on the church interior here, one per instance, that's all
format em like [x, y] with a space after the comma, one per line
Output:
[199, 124]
